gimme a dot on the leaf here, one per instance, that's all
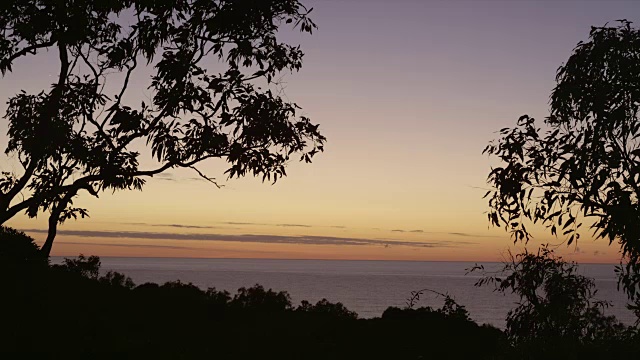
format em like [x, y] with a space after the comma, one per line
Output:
[569, 222]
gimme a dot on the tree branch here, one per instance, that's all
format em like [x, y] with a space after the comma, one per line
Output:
[211, 180]
[19, 185]
[29, 50]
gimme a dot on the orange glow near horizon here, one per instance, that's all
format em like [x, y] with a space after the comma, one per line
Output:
[231, 239]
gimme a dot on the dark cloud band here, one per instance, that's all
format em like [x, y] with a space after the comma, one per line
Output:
[255, 238]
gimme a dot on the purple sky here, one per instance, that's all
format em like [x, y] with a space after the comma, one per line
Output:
[408, 93]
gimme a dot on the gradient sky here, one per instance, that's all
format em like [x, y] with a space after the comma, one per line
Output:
[408, 93]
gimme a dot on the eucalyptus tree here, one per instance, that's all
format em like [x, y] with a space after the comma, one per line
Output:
[583, 164]
[81, 135]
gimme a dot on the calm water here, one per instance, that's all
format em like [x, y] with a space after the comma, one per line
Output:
[367, 287]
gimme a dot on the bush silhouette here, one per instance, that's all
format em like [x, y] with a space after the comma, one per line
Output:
[19, 250]
[82, 266]
[328, 309]
[557, 315]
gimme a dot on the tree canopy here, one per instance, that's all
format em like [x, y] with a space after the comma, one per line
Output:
[78, 135]
[583, 164]
[557, 314]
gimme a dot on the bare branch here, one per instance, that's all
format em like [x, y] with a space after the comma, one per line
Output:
[211, 180]
[28, 50]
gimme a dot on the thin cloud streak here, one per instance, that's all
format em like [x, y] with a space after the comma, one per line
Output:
[241, 223]
[145, 246]
[467, 235]
[293, 225]
[185, 226]
[173, 225]
[415, 231]
[418, 231]
[216, 227]
[238, 223]
[172, 177]
[254, 238]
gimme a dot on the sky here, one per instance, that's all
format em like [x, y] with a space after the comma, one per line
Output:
[408, 93]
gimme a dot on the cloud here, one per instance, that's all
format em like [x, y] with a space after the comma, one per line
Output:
[293, 225]
[419, 231]
[224, 223]
[261, 224]
[184, 226]
[240, 223]
[172, 225]
[165, 176]
[128, 245]
[468, 235]
[255, 238]
[472, 235]
[411, 231]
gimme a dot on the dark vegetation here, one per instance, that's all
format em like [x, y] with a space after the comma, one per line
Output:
[558, 314]
[75, 308]
[582, 165]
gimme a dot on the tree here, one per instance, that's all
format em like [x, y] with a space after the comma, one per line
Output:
[80, 136]
[585, 165]
[19, 251]
[557, 314]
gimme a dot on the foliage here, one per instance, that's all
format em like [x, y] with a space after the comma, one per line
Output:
[557, 313]
[326, 308]
[194, 113]
[83, 266]
[585, 165]
[116, 279]
[77, 307]
[72, 311]
[18, 249]
[257, 298]
[450, 308]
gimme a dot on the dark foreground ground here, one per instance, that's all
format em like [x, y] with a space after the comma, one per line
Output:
[72, 311]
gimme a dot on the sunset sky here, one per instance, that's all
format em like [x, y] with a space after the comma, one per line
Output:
[407, 93]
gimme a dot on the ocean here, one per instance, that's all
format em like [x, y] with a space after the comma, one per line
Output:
[366, 287]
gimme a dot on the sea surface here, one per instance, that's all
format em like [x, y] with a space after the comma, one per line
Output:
[367, 287]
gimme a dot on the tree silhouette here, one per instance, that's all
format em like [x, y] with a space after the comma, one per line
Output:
[80, 136]
[585, 165]
[19, 251]
[557, 314]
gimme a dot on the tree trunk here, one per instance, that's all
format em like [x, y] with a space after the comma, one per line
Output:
[54, 220]
[51, 233]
